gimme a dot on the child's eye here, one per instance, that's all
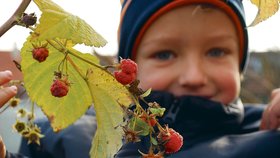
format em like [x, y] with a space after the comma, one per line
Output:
[164, 55]
[216, 52]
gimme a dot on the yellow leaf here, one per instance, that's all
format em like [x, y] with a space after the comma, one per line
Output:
[266, 8]
[38, 78]
[57, 23]
[107, 94]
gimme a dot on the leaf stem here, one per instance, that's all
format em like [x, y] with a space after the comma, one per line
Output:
[12, 21]
[85, 60]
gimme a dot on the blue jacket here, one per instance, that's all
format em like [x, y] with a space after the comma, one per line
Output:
[212, 130]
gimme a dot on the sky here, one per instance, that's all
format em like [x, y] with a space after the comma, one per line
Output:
[103, 16]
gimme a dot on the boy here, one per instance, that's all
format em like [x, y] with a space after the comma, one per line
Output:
[193, 54]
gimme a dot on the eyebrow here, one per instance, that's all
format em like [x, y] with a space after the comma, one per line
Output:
[160, 39]
[223, 38]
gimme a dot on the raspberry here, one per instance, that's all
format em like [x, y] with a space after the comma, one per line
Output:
[173, 141]
[124, 78]
[59, 88]
[128, 66]
[40, 54]
[127, 72]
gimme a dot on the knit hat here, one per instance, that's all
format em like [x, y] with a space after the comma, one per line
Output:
[138, 15]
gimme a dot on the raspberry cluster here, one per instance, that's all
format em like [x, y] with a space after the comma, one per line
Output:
[127, 72]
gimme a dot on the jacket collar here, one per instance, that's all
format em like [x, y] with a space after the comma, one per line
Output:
[194, 117]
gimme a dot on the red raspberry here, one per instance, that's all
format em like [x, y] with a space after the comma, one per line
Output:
[173, 141]
[127, 72]
[40, 54]
[59, 88]
[124, 78]
[128, 66]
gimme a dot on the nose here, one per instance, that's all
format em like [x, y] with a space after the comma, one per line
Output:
[192, 74]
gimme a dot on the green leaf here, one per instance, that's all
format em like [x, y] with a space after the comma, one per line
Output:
[148, 92]
[140, 126]
[157, 111]
[38, 78]
[107, 94]
[266, 8]
[57, 23]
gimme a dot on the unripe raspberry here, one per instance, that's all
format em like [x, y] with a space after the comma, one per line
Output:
[150, 120]
[124, 78]
[59, 88]
[40, 54]
[173, 141]
[29, 19]
[128, 66]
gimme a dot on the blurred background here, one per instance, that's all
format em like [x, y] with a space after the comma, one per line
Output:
[261, 77]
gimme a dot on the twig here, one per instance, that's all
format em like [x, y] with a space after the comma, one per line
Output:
[13, 19]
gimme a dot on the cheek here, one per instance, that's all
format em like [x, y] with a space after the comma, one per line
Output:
[151, 78]
[229, 86]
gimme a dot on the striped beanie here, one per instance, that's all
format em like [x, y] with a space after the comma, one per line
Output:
[138, 15]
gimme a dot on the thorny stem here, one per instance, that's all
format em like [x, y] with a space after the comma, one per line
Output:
[136, 101]
[12, 21]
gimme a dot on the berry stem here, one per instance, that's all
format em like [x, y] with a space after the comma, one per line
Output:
[85, 60]
[136, 101]
[13, 20]
[65, 52]
[4, 108]
[32, 111]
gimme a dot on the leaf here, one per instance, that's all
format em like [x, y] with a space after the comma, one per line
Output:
[107, 94]
[148, 92]
[139, 125]
[266, 8]
[38, 78]
[157, 111]
[57, 23]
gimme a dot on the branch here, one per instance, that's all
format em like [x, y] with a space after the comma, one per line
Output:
[13, 19]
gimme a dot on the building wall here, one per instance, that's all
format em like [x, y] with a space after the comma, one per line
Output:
[6, 63]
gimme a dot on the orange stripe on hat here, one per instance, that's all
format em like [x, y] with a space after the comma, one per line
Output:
[176, 3]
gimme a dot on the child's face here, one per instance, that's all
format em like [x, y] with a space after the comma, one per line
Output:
[191, 51]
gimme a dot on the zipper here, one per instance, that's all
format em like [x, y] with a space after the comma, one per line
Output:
[170, 117]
